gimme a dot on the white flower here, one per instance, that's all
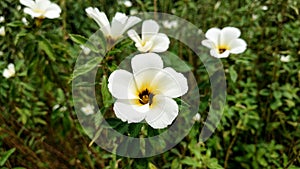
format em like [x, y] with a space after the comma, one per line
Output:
[170, 24]
[41, 9]
[127, 3]
[197, 117]
[148, 92]
[223, 42]
[151, 41]
[1, 53]
[88, 109]
[10, 71]
[2, 31]
[285, 58]
[24, 20]
[2, 19]
[264, 7]
[85, 50]
[120, 22]
[133, 12]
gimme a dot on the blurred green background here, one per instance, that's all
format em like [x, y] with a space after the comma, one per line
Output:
[260, 125]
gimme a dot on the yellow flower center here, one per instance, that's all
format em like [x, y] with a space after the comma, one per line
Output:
[146, 97]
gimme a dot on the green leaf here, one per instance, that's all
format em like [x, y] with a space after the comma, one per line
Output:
[81, 40]
[45, 46]
[88, 66]
[6, 155]
[233, 74]
[106, 96]
[134, 129]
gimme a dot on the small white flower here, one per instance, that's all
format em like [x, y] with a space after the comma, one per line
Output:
[41, 9]
[133, 12]
[55, 107]
[2, 19]
[127, 3]
[10, 71]
[151, 40]
[120, 22]
[285, 58]
[1, 53]
[2, 31]
[254, 17]
[197, 117]
[223, 42]
[170, 24]
[24, 20]
[19, 7]
[148, 92]
[264, 7]
[85, 50]
[88, 109]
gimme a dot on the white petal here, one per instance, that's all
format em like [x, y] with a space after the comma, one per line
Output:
[213, 34]
[32, 13]
[216, 54]
[162, 112]
[145, 61]
[132, 20]
[134, 36]
[170, 83]
[42, 4]
[160, 43]
[53, 11]
[121, 85]
[209, 44]
[118, 24]
[237, 46]
[2, 31]
[100, 18]
[28, 3]
[149, 29]
[228, 34]
[144, 46]
[126, 110]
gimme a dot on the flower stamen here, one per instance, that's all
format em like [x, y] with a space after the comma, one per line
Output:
[146, 97]
[222, 50]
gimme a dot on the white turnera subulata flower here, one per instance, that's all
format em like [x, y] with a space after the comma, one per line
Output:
[10, 71]
[151, 40]
[223, 42]
[285, 58]
[120, 22]
[88, 109]
[2, 31]
[147, 93]
[197, 117]
[41, 9]
[2, 19]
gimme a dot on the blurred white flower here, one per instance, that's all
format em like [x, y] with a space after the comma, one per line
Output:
[223, 42]
[41, 9]
[120, 22]
[197, 117]
[88, 109]
[254, 17]
[55, 107]
[127, 3]
[19, 7]
[151, 41]
[10, 71]
[2, 19]
[133, 12]
[148, 92]
[1, 53]
[264, 7]
[24, 20]
[285, 58]
[2, 31]
[85, 50]
[170, 24]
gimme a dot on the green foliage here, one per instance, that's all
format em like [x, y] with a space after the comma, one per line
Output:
[260, 124]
